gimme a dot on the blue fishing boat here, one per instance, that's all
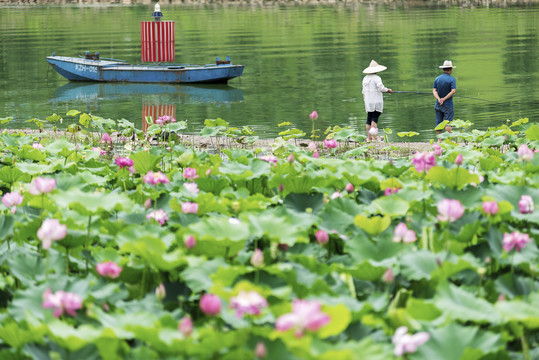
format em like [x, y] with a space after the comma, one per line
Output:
[91, 68]
[157, 47]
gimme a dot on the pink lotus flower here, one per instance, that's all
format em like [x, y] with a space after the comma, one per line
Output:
[42, 185]
[458, 160]
[305, 315]
[313, 115]
[124, 162]
[189, 208]
[190, 242]
[257, 259]
[185, 326]
[311, 146]
[160, 291]
[51, 230]
[316, 155]
[61, 302]
[37, 145]
[106, 138]
[391, 190]
[349, 188]
[437, 150]
[525, 205]
[524, 153]
[423, 161]
[165, 119]
[190, 173]
[335, 195]
[450, 210]
[388, 276]
[210, 304]
[159, 215]
[515, 240]
[402, 234]
[269, 158]
[490, 207]
[330, 143]
[192, 187]
[249, 302]
[373, 131]
[322, 237]
[11, 200]
[260, 350]
[109, 269]
[98, 149]
[406, 343]
[152, 178]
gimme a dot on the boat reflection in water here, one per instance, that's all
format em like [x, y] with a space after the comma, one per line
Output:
[156, 99]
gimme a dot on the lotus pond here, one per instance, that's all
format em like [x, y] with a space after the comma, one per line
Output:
[122, 250]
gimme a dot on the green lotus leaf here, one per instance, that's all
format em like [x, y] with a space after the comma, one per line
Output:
[287, 232]
[456, 178]
[458, 342]
[364, 349]
[144, 161]
[92, 203]
[513, 285]
[211, 131]
[392, 206]
[459, 304]
[523, 312]
[18, 334]
[71, 338]
[237, 171]
[418, 265]
[340, 319]
[493, 141]
[215, 122]
[373, 225]
[339, 215]
[10, 174]
[422, 310]
[34, 169]
[362, 249]
[60, 144]
[533, 132]
[27, 152]
[217, 236]
[407, 133]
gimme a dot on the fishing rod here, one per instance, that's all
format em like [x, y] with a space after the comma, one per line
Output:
[430, 93]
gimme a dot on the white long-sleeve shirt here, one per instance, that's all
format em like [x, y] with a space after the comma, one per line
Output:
[372, 93]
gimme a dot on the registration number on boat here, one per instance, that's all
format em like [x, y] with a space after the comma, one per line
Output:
[83, 68]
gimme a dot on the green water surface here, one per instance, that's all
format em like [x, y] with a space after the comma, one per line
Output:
[298, 59]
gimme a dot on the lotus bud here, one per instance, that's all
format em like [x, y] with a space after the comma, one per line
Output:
[388, 276]
[291, 158]
[257, 259]
[313, 115]
[210, 304]
[322, 237]
[186, 326]
[160, 291]
[190, 242]
[349, 188]
[458, 160]
[148, 203]
[260, 350]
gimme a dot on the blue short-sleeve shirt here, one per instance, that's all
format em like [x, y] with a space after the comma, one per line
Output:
[443, 85]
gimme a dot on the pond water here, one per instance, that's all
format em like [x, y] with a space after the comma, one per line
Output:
[298, 59]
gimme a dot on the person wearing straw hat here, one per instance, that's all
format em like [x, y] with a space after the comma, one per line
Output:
[443, 90]
[372, 94]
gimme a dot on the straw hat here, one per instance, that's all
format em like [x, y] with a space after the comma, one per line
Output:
[374, 68]
[447, 64]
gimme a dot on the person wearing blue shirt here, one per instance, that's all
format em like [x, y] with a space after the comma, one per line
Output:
[443, 90]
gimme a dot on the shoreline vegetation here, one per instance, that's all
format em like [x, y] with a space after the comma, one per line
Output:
[396, 3]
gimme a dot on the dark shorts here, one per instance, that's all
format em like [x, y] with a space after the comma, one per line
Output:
[443, 112]
[373, 116]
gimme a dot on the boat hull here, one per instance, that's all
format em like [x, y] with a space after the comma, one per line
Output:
[80, 69]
